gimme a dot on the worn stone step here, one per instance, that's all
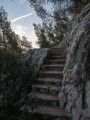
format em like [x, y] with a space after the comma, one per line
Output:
[50, 113]
[51, 74]
[49, 81]
[53, 67]
[56, 49]
[62, 61]
[45, 99]
[56, 53]
[50, 89]
[45, 90]
[56, 57]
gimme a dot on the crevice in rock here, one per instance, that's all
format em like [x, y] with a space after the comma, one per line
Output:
[83, 96]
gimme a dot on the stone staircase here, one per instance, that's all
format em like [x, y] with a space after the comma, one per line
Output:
[47, 87]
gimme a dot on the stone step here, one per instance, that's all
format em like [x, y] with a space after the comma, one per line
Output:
[56, 57]
[45, 90]
[44, 99]
[56, 49]
[50, 89]
[49, 81]
[53, 67]
[51, 74]
[56, 53]
[54, 61]
[50, 113]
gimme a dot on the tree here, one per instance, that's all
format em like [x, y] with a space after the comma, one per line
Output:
[3, 24]
[55, 23]
[16, 77]
[8, 38]
[42, 39]
[39, 5]
[7, 35]
[50, 34]
[25, 44]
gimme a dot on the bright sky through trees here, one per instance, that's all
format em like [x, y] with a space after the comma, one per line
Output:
[22, 17]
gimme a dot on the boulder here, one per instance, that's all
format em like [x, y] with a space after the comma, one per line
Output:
[36, 57]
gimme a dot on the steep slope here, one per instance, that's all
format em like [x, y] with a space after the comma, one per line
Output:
[47, 87]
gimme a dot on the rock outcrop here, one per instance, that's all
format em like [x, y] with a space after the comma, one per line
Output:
[36, 57]
[75, 92]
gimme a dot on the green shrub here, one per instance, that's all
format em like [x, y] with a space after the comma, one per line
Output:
[16, 79]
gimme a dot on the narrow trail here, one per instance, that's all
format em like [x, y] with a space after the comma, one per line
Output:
[47, 87]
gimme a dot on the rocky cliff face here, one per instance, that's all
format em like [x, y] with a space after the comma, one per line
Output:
[75, 92]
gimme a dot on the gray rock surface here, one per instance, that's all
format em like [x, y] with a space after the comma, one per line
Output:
[75, 92]
[36, 57]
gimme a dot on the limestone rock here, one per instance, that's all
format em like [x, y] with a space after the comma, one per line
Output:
[36, 57]
[76, 82]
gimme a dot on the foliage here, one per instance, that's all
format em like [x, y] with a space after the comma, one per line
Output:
[59, 18]
[25, 44]
[54, 25]
[16, 78]
[8, 38]
[42, 40]
[50, 35]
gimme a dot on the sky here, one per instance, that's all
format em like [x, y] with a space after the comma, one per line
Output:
[22, 17]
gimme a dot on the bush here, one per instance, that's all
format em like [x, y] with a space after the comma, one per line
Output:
[16, 79]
